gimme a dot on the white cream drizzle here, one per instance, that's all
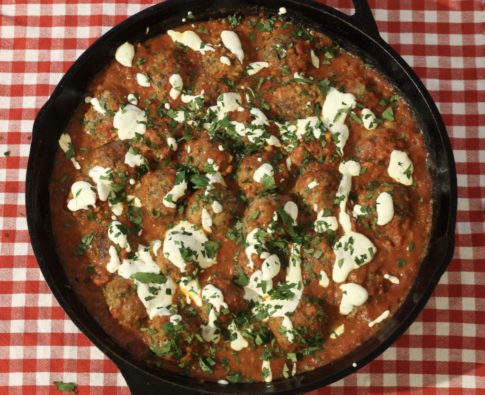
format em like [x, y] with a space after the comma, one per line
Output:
[255, 67]
[172, 143]
[323, 279]
[84, 196]
[266, 371]
[206, 220]
[231, 41]
[401, 168]
[125, 53]
[178, 190]
[314, 58]
[392, 279]
[384, 208]
[133, 159]
[225, 60]
[191, 289]
[65, 143]
[96, 104]
[239, 341]
[334, 113]
[102, 177]
[186, 235]
[177, 84]
[143, 80]
[368, 119]
[117, 233]
[190, 39]
[379, 319]
[129, 121]
[265, 170]
[353, 295]
[337, 332]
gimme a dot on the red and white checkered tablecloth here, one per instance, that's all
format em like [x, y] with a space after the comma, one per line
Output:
[443, 352]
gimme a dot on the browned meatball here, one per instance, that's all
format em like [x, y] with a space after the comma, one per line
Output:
[308, 321]
[310, 152]
[161, 59]
[169, 339]
[293, 101]
[219, 202]
[153, 147]
[200, 149]
[212, 74]
[151, 190]
[124, 304]
[372, 146]
[398, 227]
[260, 212]
[251, 165]
[100, 126]
[284, 50]
[317, 187]
[110, 155]
[316, 259]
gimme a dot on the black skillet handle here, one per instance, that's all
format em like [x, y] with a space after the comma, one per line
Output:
[364, 20]
[140, 383]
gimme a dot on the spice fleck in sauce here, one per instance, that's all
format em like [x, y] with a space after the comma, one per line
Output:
[241, 199]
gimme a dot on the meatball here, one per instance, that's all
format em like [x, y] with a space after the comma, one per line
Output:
[308, 323]
[398, 227]
[169, 339]
[317, 186]
[151, 190]
[124, 304]
[261, 172]
[316, 259]
[310, 152]
[401, 197]
[164, 59]
[293, 101]
[260, 212]
[205, 155]
[100, 125]
[374, 145]
[153, 147]
[283, 50]
[219, 204]
[110, 155]
[213, 74]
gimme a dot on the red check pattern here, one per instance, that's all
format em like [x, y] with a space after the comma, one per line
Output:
[443, 352]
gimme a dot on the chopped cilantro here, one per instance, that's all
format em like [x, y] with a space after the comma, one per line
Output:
[268, 182]
[242, 280]
[200, 181]
[234, 20]
[401, 262]
[83, 246]
[411, 246]
[211, 248]
[388, 114]
[149, 278]
[66, 387]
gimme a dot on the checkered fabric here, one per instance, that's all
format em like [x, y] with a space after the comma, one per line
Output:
[443, 352]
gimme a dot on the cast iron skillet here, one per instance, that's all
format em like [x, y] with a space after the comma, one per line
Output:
[358, 34]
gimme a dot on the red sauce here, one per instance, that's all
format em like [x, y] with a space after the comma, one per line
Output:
[283, 96]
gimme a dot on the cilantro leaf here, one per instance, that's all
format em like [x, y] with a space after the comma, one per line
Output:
[149, 278]
[66, 387]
